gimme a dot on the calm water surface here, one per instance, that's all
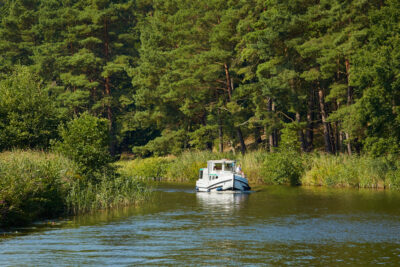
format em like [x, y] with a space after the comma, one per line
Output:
[276, 226]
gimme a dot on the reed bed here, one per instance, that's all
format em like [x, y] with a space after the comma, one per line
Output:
[37, 185]
[286, 167]
[352, 171]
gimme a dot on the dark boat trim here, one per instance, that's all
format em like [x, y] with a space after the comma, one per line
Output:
[214, 186]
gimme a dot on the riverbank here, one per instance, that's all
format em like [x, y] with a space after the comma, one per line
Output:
[38, 185]
[314, 169]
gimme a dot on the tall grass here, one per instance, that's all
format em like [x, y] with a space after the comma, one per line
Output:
[286, 167]
[108, 193]
[33, 185]
[145, 169]
[252, 165]
[183, 168]
[352, 171]
[36, 185]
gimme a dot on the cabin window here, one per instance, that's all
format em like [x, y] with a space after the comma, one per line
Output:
[217, 167]
[212, 177]
[201, 174]
[229, 167]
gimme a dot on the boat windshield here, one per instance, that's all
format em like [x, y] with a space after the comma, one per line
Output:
[221, 165]
[217, 167]
[229, 167]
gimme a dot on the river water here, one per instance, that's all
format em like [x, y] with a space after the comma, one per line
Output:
[273, 226]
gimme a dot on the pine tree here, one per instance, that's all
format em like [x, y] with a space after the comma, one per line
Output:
[18, 35]
[88, 48]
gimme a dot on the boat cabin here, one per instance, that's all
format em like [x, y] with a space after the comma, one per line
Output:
[216, 168]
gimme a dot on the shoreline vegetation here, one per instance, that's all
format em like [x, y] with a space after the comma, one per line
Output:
[282, 167]
[77, 176]
[37, 185]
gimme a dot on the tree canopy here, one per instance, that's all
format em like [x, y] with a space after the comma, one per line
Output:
[171, 75]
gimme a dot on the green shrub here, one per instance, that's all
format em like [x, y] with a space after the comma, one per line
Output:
[33, 185]
[282, 168]
[28, 116]
[145, 169]
[393, 178]
[169, 142]
[85, 141]
[378, 147]
[285, 166]
[36, 185]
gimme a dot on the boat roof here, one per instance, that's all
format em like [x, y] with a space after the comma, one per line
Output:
[221, 161]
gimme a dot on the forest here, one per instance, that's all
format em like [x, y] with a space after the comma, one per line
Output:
[174, 75]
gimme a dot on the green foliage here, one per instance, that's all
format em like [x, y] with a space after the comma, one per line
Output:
[377, 147]
[252, 165]
[85, 140]
[108, 192]
[145, 169]
[283, 168]
[33, 185]
[191, 74]
[286, 166]
[37, 185]
[289, 138]
[201, 139]
[170, 142]
[28, 116]
[356, 171]
[17, 33]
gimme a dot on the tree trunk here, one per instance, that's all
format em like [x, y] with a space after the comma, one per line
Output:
[327, 138]
[337, 138]
[333, 139]
[271, 141]
[301, 134]
[110, 117]
[257, 136]
[310, 122]
[348, 143]
[229, 86]
[107, 87]
[275, 131]
[241, 140]
[220, 134]
[349, 102]
[228, 82]
[209, 143]
[232, 146]
[336, 133]
[266, 138]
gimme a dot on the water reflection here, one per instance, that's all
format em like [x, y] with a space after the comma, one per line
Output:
[275, 226]
[222, 201]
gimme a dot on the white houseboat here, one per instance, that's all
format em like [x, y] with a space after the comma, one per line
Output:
[221, 175]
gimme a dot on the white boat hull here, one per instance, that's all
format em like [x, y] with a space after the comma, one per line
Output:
[233, 183]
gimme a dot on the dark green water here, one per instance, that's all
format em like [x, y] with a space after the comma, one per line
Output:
[275, 226]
